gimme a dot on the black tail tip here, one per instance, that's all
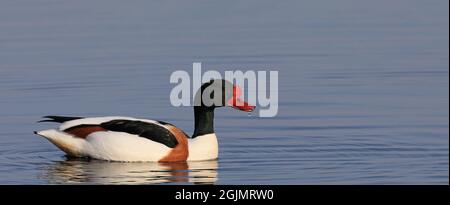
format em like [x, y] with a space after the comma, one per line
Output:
[35, 132]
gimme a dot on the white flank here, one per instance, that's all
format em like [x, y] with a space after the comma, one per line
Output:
[121, 146]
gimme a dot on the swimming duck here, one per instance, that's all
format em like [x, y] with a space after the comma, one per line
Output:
[117, 138]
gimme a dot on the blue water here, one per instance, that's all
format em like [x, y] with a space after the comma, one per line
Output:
[363, 87]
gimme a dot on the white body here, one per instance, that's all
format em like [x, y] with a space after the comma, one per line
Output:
[121, 146]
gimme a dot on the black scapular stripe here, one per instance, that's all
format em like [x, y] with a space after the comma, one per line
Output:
[147, 130]
[59, 119]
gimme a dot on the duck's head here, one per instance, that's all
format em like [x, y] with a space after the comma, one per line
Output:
[221, 93]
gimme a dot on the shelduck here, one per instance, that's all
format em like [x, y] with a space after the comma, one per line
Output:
[130, 139]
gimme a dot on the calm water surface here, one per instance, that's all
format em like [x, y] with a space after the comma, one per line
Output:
[363, 87]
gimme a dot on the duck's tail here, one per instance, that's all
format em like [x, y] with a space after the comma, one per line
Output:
[49, 134]
[70, 145]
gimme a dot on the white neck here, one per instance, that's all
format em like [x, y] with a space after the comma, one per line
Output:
[203, 147]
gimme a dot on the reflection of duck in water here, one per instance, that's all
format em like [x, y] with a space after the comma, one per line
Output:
[102, 172]
[132, 139]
